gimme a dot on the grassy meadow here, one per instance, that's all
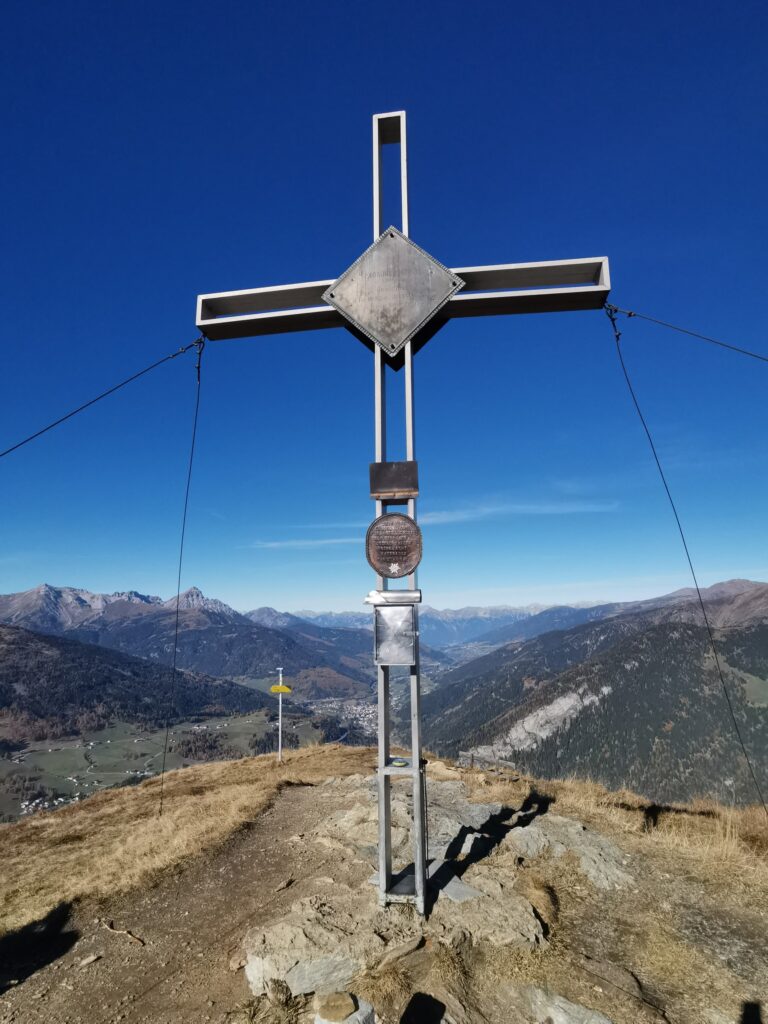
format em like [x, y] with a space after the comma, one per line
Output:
[79, 766]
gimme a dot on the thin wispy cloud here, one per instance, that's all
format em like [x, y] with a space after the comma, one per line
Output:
[472, 513]
[314, 542]
[360, 525]
[440, 517]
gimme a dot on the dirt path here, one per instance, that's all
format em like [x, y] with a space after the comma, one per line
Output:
[192, 923]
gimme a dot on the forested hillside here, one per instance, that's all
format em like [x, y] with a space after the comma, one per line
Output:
[52, 686]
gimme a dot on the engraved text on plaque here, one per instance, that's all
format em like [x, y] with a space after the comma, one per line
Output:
[393, 545]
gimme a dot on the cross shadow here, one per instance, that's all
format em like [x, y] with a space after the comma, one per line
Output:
[653, 812]
[488, 836]
[751, 1014]
[26, 950]
[423, 1009]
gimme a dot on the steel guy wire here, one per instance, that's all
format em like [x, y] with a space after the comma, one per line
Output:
[200, 343]
[611, 309]
[611, 314]
[104, 394]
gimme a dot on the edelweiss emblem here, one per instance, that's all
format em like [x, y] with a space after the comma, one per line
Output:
[394, 567]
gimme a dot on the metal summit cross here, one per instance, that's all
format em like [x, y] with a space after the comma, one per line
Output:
[394, 298]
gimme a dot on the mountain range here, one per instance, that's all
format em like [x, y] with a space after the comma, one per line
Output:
[323, 654]
[624, 692]
[439, 628]
[213, 638]
[567, 616]
[125, 620]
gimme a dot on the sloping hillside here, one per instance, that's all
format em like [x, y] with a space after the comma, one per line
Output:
[480, 690]
[648, 714]
[631, 700]
[52, 686]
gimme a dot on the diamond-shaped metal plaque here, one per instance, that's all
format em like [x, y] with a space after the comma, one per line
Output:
[392, 290]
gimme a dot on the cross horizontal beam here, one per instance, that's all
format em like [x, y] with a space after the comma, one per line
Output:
[546, 287]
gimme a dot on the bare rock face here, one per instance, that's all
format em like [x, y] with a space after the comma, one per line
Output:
[499, 916]
[324, 942]
[355, 825]
[540, 1007]
[600, 859]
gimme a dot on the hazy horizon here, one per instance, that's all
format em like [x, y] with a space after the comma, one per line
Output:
[639, 590]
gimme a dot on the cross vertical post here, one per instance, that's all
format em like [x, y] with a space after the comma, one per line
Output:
[391, 129]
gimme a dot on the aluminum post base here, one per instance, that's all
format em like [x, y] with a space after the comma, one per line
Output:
[408, 885]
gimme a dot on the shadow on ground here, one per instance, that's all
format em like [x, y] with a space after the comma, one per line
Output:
[25, 951]
[423, 1009]
[652, 813]
[751, 1014]
[489, 836]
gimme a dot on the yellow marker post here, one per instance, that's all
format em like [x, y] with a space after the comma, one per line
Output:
[280, 688]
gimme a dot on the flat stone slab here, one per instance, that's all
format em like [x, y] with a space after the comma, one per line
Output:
[601, 860]
[460, 892]
[334, 1007]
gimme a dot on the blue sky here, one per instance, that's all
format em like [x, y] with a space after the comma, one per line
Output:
[157, 150]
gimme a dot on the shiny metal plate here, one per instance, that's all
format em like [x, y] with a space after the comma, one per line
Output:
[394, 632]
[379, 597]
[392, 290]
[393, 545]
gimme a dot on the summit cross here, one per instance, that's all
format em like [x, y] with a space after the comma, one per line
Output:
[394, 298]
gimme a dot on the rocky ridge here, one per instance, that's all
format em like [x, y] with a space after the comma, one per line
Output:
[556, 902]
[339, 939]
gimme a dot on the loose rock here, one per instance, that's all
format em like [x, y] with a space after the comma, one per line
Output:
[334, 1007]
[364, 1014]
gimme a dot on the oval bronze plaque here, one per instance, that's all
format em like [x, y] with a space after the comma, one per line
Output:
[393, 545]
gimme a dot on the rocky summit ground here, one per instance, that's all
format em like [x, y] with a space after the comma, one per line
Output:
[556, 902]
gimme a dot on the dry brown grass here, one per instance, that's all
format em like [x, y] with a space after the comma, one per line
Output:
[388, 989]
[638, 933]
[660, 953]
[702, 854]
[115, 840]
